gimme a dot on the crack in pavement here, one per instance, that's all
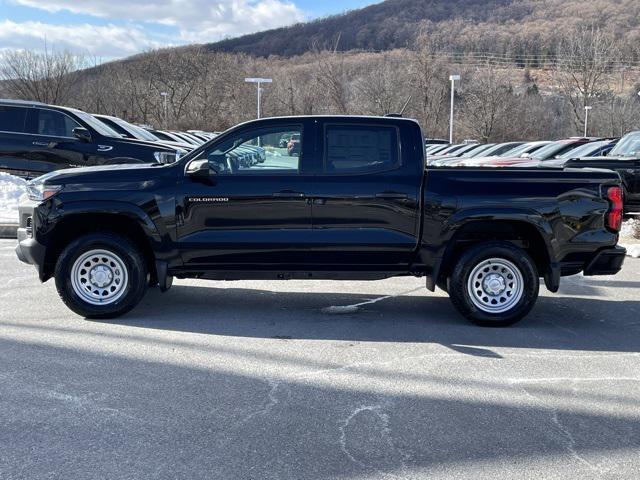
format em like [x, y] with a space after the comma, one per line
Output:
[569, 441]
[344, 309]
[382, 426]
[272, 400]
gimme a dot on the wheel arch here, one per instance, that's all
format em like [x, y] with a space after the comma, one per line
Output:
[83, 220]
[533, 237]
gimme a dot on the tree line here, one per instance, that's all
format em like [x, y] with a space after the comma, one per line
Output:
[194, 87]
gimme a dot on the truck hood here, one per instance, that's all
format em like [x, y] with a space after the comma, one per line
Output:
[98, 173]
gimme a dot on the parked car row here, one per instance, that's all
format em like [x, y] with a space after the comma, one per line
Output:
[621, 155]
[36, 138]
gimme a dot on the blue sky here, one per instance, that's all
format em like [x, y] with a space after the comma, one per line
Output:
[108, 29]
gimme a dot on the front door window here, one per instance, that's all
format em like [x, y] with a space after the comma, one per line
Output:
[266, 151]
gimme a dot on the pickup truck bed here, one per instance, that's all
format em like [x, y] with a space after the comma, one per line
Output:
[356, 202]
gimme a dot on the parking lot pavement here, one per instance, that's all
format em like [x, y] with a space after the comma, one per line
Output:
[256, 380]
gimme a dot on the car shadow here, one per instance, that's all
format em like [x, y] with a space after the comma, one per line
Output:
[556, 322]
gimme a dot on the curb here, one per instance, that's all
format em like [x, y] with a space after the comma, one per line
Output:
[8, 230]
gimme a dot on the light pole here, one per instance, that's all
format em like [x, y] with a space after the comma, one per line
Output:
[453, 79]
[164, 108]
[259, 81]
[586, 118]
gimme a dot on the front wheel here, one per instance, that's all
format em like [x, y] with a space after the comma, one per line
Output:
[101, 275]
[494, 284]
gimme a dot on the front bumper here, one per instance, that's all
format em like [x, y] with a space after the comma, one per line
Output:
[606, 262]
[28, 249]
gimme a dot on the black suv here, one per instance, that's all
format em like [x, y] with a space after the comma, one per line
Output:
[36, 138]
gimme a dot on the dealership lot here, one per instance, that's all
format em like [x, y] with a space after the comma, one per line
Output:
[260, 380]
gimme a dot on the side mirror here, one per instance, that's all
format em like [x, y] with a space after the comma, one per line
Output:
[82, 134]
[218, 163]
[199, 169]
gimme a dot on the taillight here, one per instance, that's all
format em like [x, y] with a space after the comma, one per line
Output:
[614, 215]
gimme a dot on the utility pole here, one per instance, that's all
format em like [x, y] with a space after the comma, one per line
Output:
[164, 109]
[453, 79]
[587, 108]
[259, 81]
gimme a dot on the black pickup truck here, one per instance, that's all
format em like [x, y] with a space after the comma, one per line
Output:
[356, 202]
[624, 159]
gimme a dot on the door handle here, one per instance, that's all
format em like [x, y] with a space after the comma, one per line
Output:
[289, 194]
[392, 195]
[40, 144]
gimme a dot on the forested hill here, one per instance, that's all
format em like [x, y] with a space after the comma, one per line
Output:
[504, 26]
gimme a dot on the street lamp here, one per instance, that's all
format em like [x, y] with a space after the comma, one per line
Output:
[164, 108]
[453, 79]
[259, 81]
[586, 118]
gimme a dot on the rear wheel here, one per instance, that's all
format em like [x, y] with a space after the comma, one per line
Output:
[494, 284]
[101, 275]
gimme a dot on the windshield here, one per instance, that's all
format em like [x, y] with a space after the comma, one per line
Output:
[97, 125]
[465, 148]
[144, 134]
[137, 132]
[628, 146]
[477, 151]
[583, 150]
[551, 150]
[518, 151]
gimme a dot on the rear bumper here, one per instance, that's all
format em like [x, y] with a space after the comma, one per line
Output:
[606, 262]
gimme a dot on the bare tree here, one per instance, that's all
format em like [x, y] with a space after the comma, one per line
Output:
[378, 91]
[615, 115]
[585, 55]
[430, 89]
[47, 76]
[332, 76]
[487, 100]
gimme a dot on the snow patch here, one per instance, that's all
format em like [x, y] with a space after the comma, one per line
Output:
[13, 190]
[629, 233]
[633, 250]
[630, 229]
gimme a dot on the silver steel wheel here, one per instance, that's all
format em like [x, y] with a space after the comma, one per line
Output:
[495, 285]
[99, 277]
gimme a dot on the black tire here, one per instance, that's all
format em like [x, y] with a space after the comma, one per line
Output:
[459, 284]
[126, 252]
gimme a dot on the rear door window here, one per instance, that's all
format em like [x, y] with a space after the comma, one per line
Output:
[54, 124]
[361, 148]
[12, 119]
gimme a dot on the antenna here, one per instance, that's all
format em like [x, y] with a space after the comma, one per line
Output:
[399, 115]
[406, 104]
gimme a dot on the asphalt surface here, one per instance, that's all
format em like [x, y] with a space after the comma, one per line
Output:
[255, 380]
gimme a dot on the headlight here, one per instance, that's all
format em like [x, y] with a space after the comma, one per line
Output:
[39, 192]
[168, 157]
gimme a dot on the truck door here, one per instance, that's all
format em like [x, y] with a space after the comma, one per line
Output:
[366, 198]
[253, 210]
